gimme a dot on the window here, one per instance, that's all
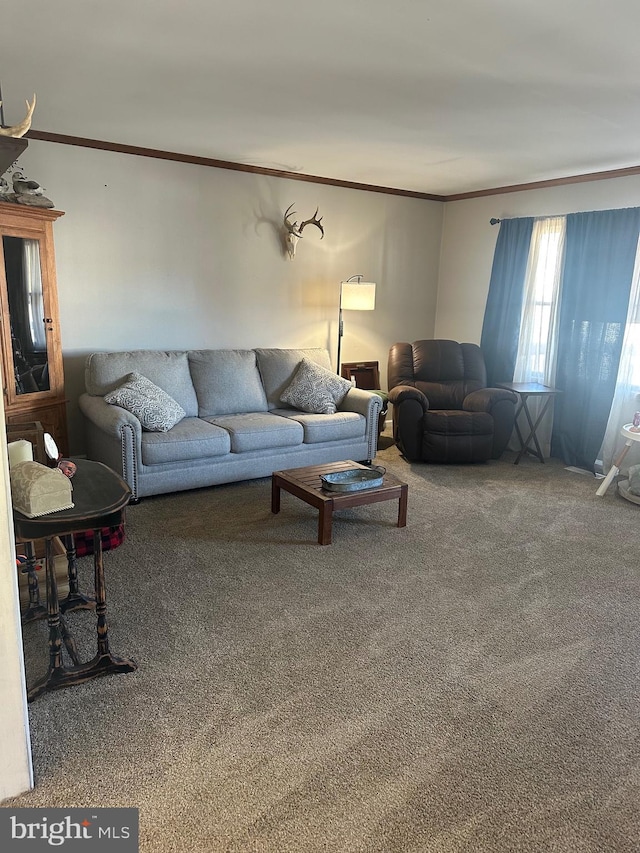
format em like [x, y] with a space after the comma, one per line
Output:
[537, 345]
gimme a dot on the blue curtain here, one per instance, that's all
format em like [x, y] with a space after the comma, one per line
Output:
[501, 327]
[600, 250]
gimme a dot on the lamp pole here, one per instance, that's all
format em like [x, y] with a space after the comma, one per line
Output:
[340, 330]
[340, 323]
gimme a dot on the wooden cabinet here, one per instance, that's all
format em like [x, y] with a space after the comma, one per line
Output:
[31, 352]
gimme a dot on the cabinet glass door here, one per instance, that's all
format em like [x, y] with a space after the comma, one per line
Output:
[27, 315]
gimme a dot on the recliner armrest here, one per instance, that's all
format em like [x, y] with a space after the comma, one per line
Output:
[486, 398]
[401, 393]
[409, 408]
[501, 405]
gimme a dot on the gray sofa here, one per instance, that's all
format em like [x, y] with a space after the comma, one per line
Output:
[235, 428]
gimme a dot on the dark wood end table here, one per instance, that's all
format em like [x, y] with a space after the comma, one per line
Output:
[524, 390]
[366, 375]
[305, 483]
[100, 497]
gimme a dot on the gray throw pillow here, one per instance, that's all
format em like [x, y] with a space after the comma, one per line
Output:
[154, 408]
[315, 389]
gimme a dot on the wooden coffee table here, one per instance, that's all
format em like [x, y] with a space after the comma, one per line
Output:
[305, 484]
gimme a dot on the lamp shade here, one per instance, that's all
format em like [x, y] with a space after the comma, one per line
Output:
[358, 295]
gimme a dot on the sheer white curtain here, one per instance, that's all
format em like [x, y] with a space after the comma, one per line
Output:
[33, 293]
[626, 399]
[537, 346]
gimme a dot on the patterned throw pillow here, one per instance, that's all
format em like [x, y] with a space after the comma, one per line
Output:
[154, 408]
[315, 389]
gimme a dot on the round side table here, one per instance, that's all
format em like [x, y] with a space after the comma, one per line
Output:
[99, 500]
[631, 434]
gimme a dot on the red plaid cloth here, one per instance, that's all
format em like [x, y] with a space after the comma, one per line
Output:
[111, 538]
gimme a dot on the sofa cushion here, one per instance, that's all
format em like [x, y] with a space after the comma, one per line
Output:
[318, 428]
[226, 382]
[192, 438]
[278, 366]
[105, 371]
[259, 431]
[153, 407]
[315, 389]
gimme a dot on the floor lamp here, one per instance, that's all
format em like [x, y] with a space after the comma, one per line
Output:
[355, 295]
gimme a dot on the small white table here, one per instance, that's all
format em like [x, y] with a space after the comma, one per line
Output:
[631, 434]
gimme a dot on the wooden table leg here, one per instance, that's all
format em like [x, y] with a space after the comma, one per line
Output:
[325, 523]
[402, 505]
[104, 662]
[275, 495]
[75, 600]
[56, 670]
[533, 430]
[518, 431]
[35, 610]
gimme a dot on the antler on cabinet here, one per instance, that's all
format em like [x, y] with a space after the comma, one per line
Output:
[19, 130]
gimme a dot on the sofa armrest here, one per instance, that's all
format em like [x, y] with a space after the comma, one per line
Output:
[114, 437]
[361, 401]
[369, 405]
[110, 419]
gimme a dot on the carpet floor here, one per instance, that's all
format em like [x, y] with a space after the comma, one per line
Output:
[468, 683]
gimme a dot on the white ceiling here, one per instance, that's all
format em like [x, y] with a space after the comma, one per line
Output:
[433, 96]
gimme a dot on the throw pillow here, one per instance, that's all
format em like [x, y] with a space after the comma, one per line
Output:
[315, 389]
[154, 408]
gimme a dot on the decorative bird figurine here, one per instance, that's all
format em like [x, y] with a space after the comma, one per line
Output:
[23, 186]
[28, 192]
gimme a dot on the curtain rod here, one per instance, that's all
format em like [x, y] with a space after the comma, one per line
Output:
[494, 221]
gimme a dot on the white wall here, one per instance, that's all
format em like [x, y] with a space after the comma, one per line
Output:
[15, 748]
[468, 243]
[160, 254]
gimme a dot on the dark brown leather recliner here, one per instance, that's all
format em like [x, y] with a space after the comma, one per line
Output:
[442, 408]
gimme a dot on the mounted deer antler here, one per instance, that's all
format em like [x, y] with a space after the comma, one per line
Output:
[313, 221]
[19, 130]
[294, 232]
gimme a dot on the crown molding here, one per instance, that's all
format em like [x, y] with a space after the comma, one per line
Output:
[137, 151]
[553, 182]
